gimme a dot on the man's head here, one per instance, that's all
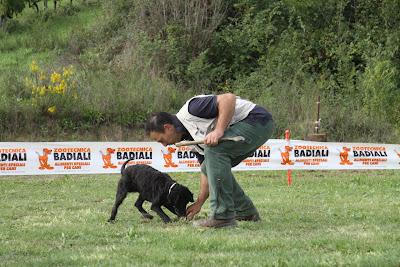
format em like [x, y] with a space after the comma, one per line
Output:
[160, 127]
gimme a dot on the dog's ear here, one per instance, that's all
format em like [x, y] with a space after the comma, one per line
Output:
[189, 194]
[177, 193]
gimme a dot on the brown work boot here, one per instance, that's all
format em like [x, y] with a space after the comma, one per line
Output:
[249, 218]
[215, 223]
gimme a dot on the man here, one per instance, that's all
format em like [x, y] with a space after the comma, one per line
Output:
[209, 118]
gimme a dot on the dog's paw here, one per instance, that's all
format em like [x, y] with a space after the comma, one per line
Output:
[148, 216]
[111, 221]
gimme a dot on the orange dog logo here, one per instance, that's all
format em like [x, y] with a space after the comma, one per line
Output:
[107, 158]
[344, 156]
[168, 157]
[43, 160]
[285, 155]
[398, 154]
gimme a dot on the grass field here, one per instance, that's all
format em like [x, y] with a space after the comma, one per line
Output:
[324, 219]
[40, 41]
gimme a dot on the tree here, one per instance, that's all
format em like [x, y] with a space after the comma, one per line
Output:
[33, 3]
[55, 4]
[9, 8]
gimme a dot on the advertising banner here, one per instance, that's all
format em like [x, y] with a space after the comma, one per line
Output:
[40, 158]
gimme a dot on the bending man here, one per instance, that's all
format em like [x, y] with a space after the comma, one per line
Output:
[209, 118]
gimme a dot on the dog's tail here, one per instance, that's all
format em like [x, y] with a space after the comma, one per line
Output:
[123, 165]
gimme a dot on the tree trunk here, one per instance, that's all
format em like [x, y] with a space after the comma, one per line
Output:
[37, 7]
[55, 5]
[3, 20]
[45, 4]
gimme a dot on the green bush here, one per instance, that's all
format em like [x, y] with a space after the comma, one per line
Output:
[143, 56]
[381, 94]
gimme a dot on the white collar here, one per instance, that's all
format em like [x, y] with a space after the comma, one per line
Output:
[170, 188]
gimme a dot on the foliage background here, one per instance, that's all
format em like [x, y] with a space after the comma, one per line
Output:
[144, 56]
[131, 57]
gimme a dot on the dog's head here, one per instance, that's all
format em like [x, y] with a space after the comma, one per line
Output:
[288, 148]
[179, 197]
[110, 150]
[171, 149]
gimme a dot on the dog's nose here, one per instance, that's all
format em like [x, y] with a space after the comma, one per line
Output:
[179, 213]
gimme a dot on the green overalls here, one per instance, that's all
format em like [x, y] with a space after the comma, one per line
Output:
[227, 198]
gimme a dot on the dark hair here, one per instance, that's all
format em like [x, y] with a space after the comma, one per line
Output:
[156, 121]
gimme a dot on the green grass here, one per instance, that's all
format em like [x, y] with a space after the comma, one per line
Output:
[111, 101]
[41, 40]
[324, 219]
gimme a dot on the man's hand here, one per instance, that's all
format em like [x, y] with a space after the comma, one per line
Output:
[193, 210]
[213, 137]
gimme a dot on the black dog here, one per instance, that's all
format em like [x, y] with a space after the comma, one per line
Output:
[153, 186]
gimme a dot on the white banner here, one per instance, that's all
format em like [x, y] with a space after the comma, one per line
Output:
[18, 158]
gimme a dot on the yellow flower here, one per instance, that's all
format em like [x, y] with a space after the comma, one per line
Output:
[60, 89]
[42, 76]
[28, 82]
[68, 71]
[65, 73]
[35, 90]
[74, 84]
[63, 87]
[52, 109]
[34, 67]
[42, 91]
[56, 89]
[55, 77]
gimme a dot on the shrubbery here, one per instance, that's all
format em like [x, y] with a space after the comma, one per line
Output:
[284, 54]
[143, 56]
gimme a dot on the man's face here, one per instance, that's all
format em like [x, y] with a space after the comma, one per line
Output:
[168, 137]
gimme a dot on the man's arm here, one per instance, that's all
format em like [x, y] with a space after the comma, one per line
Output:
[203, 195]
[226, 108]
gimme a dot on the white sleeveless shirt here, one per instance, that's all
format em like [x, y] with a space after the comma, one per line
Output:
[198, 127]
